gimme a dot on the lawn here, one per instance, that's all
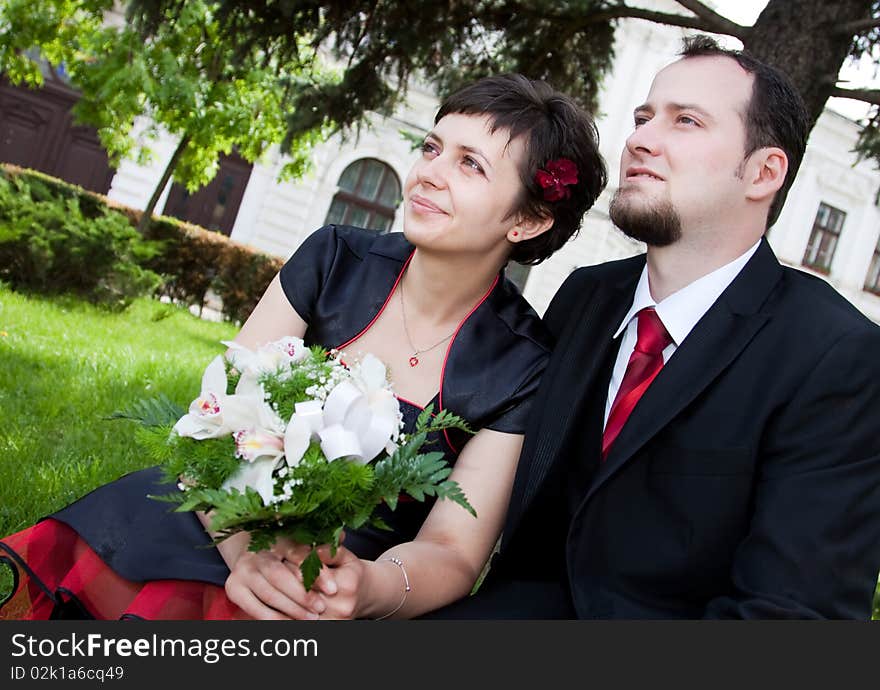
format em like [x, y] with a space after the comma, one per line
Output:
[65, 366]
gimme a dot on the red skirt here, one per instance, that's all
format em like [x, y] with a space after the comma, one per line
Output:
[57, 575]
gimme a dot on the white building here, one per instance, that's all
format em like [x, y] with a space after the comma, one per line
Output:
[829, 226]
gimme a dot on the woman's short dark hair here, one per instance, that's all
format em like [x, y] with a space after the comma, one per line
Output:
[552, 126]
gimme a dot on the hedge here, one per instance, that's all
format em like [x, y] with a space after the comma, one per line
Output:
[190, 260]
[53, 243]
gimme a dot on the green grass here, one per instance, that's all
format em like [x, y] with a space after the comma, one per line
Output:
[64, 367]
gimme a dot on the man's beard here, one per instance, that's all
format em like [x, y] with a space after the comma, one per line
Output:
[655, 223]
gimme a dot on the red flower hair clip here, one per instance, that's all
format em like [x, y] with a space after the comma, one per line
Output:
[555, 177]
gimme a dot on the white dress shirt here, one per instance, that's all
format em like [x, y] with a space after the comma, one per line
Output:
[679, 313]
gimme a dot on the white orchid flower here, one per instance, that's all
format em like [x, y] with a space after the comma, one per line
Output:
[255, 444]
[370, 376]
[214, 414]
[263, 452]
[361, 416]
[272, 358]
[256, 475]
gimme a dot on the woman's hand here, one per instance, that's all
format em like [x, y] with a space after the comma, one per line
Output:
[340, 584]
[267, 585]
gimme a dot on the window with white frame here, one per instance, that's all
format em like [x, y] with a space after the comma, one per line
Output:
[368, 195]
[823, 240]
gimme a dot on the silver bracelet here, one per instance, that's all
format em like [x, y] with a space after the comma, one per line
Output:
[406, 587]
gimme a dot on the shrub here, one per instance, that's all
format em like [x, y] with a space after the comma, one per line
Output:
[242, 279]
[191, 260]
[195, 260]
[50, 243]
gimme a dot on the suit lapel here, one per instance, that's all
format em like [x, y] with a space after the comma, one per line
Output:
[569, 378]
[716, 340]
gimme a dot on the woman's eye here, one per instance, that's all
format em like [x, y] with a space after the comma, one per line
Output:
[684, 119]
[473, 165]
[640, 120]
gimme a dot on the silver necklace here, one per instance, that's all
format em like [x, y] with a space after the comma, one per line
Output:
[414, 358]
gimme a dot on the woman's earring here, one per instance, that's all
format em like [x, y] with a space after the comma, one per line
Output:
[516, 233]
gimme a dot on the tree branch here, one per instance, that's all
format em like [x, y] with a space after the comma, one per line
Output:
[866, 95]
[859, 26]
[625, 11]
[722, 25]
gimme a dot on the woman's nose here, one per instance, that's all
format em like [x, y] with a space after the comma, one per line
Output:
[433, 171]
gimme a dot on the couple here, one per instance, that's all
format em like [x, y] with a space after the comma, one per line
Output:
[738, 478]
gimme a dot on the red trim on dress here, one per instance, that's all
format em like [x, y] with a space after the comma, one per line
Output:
[449, 349]
[387, 300]
[409, 402]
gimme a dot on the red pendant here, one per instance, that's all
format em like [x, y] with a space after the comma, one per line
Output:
[413, 361]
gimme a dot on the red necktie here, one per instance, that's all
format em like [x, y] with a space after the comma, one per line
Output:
[644, 364]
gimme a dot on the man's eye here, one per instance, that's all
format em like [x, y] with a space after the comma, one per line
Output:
[684, 119]
[429, 148]
[640, 120]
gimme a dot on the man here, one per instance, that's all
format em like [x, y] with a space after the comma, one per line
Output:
[706, 441]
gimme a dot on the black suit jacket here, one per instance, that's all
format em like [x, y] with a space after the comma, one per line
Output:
[745, 484]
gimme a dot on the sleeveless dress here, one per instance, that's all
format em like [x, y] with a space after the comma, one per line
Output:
[117, 554]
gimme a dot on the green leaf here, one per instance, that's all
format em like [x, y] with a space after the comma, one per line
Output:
[424, 417]
[380, 524]
[151, 412]
[168, 498]
[310, 568]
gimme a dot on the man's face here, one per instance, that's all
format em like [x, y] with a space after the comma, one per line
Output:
[680, 171]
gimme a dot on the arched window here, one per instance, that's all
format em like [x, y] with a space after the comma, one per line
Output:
[368, 195]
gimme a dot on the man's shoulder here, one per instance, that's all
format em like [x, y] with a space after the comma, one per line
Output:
[818, 306]
[609, 270]
[582, 281]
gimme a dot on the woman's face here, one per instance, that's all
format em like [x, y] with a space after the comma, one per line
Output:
[459, 195]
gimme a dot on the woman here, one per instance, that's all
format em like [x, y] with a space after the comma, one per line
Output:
[508, 171]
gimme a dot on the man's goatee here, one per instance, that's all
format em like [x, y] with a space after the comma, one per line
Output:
[656, 223]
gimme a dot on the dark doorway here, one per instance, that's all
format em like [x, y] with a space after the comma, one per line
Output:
[215, 205]
[37, 131]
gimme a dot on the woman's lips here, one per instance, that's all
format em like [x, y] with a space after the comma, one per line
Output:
[423, 205]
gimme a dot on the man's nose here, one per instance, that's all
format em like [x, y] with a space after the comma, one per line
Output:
[645, 139]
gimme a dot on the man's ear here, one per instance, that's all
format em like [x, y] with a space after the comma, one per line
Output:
[765, 170]
[528, 228]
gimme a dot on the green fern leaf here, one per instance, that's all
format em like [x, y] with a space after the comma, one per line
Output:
[159, 411]
[310, 568]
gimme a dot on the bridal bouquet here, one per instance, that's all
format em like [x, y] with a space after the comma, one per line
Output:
[288, 441]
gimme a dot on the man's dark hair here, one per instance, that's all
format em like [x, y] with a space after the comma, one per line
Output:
[776, 114]
[553, 126]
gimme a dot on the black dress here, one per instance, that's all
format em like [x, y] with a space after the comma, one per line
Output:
[338, 281]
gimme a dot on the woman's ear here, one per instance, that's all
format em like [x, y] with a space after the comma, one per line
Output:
[528, 228]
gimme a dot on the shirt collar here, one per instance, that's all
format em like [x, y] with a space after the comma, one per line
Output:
[681, 311]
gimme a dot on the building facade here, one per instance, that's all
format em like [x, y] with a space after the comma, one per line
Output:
[829, 226]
